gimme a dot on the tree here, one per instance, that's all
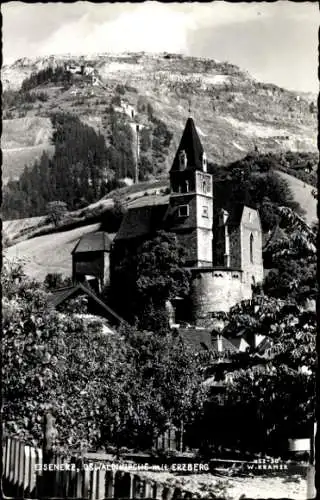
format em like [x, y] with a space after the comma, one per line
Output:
[254, 181]
[56, 211]
[154, 273]
[168, 384]
[272, 392]
[292, 260]
[55, 280]
[55, 361]
[76, 170]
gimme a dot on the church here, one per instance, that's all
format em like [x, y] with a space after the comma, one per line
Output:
[223, 246]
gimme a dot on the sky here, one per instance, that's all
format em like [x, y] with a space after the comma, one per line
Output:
[275, 42]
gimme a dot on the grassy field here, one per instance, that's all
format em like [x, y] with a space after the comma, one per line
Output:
[48, 254]
[302, 194]
[51, 252]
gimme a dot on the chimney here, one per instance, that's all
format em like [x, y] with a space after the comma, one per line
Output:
[218, 327]
[219, 342]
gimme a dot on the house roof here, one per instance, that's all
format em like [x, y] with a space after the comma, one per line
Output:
[227, 345]
[191, 144]
[196, 338]
[141, 221]
[265, 344]
[61, 295]
[93, 242]
[203, 339]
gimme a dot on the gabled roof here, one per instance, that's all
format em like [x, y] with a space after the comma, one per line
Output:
[199, 339]
[191, 144]
[93, 242]
[141, 221]
[203, 340]
[227, 345]
[61, 295]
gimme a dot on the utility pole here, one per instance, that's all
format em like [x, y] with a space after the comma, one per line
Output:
[136, 179]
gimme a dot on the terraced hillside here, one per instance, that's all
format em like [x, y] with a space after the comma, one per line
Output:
[234, 113]
[23, 141]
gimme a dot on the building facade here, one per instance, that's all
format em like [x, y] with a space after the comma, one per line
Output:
[223, 247]
[90, 260]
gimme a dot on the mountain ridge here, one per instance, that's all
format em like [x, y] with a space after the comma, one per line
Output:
[234, 112]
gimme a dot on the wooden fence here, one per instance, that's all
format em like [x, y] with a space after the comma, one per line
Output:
[23, 477]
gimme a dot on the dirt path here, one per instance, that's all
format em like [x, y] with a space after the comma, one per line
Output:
[257, 487]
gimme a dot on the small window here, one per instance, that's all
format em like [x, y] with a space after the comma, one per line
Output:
[204, 186]
[183, 211]
[187, 186]
[251, 248]
[204, 162]
[205, 212]
[183, 159]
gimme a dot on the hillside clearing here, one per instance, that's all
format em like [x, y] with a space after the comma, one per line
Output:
[233, 112]
[23, 141]
[302, 194]
[48, 254]
[51, 253]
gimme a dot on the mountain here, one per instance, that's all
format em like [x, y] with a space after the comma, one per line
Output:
[233, 112]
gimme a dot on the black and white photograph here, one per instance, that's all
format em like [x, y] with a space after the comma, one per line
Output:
[159, 250]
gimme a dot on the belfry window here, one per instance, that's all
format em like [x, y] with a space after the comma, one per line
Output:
[183, 159]
[204, 161]
[251, 248]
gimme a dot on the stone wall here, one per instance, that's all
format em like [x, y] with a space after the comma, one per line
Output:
[235, 246]
[217, 290]
[250, 225]
[204, 237]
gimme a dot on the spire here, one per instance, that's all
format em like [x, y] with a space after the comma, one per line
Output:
[190, 146]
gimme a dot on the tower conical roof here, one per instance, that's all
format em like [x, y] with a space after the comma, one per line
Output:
[191, 144]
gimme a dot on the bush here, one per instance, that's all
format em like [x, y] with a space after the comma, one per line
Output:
[56, 211]
[55, 280]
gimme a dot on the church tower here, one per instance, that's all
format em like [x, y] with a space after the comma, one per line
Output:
[191, 199]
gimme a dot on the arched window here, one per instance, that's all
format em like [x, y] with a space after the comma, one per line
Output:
[251, 248]
[204, 161]
[183, 159]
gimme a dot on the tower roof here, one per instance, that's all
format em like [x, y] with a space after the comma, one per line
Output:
[93, 242]
[191, 144]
